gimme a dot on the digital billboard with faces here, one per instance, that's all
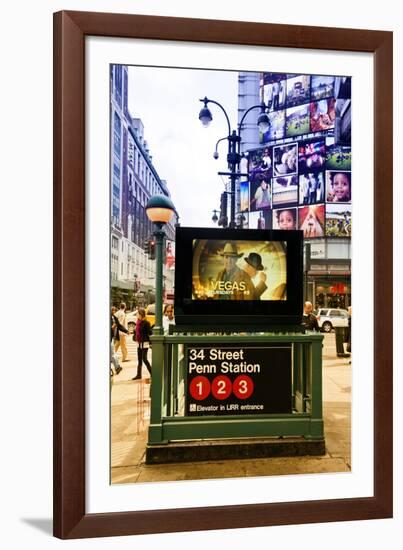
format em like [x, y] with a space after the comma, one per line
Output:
[308, 141]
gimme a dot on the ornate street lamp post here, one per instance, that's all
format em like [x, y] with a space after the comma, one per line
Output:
[160, 210]
[234, 143]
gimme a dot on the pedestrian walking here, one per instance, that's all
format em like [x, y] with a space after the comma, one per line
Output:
[120, 341]
[142, 337]
[115, 361]
[116, 330]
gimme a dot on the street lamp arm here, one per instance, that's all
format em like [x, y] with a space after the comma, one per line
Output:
[261, 106]
[216, 145]
[207, 100]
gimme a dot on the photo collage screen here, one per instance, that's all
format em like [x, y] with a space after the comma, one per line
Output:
[300, 178]
[239, 270]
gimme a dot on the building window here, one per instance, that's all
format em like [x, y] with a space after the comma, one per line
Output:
[338, 250]
[118, 84]
[142, 171]
[130, 155]
[125, 92]
[117, 125]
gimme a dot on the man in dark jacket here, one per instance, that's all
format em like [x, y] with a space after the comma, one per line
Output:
[309, 321]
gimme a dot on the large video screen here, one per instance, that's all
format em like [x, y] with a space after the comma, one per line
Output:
[259, 219]
[338, 157]
[274, 90]
[311, 155]
[298, 89]
[239, 270]
[297, 120]
[285, 218]
[244, 196]
[322, 114]
[285, 160]
[239, 276]
[308, 150]
[322, 86]
[311, 188]
[285, 191]
[260, 195]
[276, 126]
[338, 220]
[260, 164]
[311, 220]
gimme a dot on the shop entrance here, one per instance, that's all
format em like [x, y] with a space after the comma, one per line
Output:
[334, 294]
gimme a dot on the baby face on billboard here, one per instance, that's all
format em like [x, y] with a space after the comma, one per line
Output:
[338, 187]
[287, 219]
[341, 187]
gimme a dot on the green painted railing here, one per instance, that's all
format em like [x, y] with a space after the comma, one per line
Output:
[169, 423]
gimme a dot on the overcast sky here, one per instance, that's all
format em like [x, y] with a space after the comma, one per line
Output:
[167, 101]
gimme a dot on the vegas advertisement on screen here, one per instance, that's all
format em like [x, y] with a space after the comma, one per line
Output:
[239, 270]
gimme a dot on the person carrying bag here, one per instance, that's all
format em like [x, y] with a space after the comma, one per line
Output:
[142, 337]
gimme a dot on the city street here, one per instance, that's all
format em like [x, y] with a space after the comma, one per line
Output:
[130, 416]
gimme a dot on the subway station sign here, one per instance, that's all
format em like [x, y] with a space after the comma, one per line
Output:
[238, 380]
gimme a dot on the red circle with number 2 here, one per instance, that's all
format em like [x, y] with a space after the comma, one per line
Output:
[243, 386]
[199, 388]
[221, 387]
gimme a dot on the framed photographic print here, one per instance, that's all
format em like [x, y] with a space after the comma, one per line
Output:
[299, 109]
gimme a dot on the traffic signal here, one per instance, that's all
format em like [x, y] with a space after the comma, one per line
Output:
[223, 219]
[152, 250]
[146, 246]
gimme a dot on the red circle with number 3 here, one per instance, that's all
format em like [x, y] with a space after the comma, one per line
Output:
[243, 386]
[221, 387]
[199, 388]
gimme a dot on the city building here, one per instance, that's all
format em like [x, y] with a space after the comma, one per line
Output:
[133, 180]
[310, 118]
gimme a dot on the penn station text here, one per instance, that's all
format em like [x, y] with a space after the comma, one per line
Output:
[225, 361]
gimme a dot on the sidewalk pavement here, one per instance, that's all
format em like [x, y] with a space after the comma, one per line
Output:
[130, 417]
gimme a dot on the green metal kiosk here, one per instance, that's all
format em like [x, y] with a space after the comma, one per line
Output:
[238, 395]
[238, 376]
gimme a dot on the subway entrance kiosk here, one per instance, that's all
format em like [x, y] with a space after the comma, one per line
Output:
[237, 376]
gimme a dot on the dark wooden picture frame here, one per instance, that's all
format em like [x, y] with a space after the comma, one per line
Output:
[70, 31]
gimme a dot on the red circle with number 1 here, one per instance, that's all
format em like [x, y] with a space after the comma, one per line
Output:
[243, 386]
[199, 388]
[221, 387]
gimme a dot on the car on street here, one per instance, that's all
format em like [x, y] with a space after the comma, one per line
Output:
[150, 314]
[329, 318]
